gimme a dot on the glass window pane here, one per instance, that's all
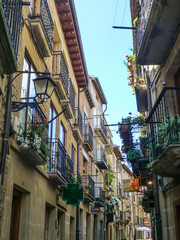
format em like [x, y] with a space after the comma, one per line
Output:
[31, 87]
[24, 87]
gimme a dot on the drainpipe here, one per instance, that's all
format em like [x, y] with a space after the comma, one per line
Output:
[104, 110]
[77, 207]
[167, 222]
[7, 120]
[157, 211]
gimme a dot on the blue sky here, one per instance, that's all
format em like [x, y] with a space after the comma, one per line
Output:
[105, 51]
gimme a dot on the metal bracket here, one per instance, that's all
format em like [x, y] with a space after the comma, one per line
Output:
[17, 106]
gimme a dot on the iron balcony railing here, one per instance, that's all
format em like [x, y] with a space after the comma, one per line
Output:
[88, 134]
[71, 94]
[79, 120]
[32, 113]
[87, 180]
[164, 120]
[100, 194]
[142, 22]
[59, 160]
[47, 21]
[99, 123]
[12, 10]
[100, 155]
[60, 68]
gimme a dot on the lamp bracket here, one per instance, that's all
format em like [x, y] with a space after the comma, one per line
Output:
[17, 106]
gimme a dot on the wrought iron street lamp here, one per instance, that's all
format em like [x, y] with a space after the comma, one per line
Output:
[44, 87]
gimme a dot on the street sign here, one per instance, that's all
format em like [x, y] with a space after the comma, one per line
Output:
[73, 194]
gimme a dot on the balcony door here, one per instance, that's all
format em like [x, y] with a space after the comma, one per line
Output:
[27, 92]
[52, 137]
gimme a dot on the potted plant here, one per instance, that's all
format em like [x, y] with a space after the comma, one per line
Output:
[139, 120]
[144, 144]
[109, 176]
[133, 155]
[86, 189]
[34, 137]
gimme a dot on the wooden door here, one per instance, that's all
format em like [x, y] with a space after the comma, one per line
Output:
[15, 215]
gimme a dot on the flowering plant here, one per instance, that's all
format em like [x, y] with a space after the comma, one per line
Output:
[112, 204]
[70, 176]
[86, 189]
[115, 201]
[131, 58]
[109, 176]
[34, 136]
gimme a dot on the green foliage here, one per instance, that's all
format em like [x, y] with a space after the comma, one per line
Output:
[140, 120]
[133, 155]
[131, 58]
[87, 188]
[168, 132]
[144, 142]
[70, 176]
[35, 137]
[135, 21]
[109, 176]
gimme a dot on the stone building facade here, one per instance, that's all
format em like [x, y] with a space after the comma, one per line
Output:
[157, 47]
[46, 144]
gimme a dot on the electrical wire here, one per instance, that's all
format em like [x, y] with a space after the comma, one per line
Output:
[115, 11]
[124, 13]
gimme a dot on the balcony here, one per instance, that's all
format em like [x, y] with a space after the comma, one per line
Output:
[88, 184]
[88, 137]
[10, 22]
[42, 28]
[60, 74]
[109, 147]
[99, 197]
[157, 27]
[165, 133]
[100, 129]
[60, 166]
[32, 152]
[69, 103]
[78, 125]
[100, 158]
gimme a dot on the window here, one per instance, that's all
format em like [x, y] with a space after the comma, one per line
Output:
[72, 153]
[27, 91]
[52, 136]
[52, 125]
[62, 134]
[48, 222]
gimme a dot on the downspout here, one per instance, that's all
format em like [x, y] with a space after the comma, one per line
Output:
[5, 136]
[167, 222]
[104, 110]
[157, 211]
[77, 207]
[104, 188]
